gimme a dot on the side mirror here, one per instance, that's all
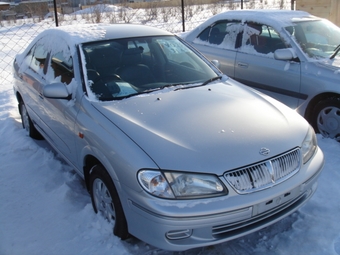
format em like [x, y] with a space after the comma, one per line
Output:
[56, 91]
[216, 63]
[284, 54]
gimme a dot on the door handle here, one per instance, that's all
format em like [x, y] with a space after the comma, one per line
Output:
[243, 65]
[41, 96]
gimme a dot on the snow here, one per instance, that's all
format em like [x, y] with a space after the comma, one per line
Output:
[260, 16]
[45, 208]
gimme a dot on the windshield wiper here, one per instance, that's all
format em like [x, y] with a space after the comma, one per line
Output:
[203, 84]
[136, 94]
[336, 51]
[211, 80]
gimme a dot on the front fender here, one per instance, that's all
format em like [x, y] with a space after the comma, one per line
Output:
[102, 141]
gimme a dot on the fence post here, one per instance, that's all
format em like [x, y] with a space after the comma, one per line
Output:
[183, 22]
[55, 12]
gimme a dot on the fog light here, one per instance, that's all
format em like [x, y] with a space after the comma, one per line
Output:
[179, 234]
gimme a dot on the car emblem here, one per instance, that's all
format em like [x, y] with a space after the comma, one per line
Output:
[264, 151]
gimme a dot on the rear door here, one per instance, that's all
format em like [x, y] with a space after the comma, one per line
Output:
[217, 42]
[32, 73]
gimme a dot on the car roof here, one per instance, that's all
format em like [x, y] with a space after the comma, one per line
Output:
[96, 32]
[74, 35]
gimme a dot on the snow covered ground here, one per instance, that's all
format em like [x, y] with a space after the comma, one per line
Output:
[45, 209]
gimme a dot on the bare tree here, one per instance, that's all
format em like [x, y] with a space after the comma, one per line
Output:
[166, 13]
[112, 17]
[251, 4]
[281, 4]
[96, 14]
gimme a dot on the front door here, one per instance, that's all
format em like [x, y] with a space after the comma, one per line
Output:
[256, 66]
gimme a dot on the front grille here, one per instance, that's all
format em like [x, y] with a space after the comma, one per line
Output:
[265, 174]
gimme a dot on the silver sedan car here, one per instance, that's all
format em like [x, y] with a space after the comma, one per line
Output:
[164, 141]
[289, 55]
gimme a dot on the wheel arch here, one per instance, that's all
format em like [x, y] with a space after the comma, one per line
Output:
[18, 96]
[90, 160]
[309, 110]
[19, 99]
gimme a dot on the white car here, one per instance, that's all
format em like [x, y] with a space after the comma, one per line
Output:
[172, 151]
[290, 55]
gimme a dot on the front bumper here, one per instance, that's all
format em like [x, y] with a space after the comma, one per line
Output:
[181, 231]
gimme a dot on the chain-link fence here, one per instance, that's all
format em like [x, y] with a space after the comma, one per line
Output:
[174, 16]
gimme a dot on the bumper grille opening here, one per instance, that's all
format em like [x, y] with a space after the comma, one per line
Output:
[267, 218]
[179, 234]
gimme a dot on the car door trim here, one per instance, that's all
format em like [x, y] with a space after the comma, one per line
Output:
[275, 90]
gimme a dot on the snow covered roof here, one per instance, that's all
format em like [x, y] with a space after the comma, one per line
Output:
[276, 18]
[82, 33]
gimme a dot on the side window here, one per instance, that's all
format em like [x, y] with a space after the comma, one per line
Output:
[222, 33]
[273, 39]
[62, 67]
[217, 33]
[264, 39]
[37, 58]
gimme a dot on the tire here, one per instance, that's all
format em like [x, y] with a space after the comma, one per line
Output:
[105, 200]
[27, 123]
[326, 118]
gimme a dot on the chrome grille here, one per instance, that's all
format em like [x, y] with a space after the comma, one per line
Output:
[265, 174]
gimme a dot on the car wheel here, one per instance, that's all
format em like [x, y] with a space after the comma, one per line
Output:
[327, 118]
[27, 123]
[105, 200]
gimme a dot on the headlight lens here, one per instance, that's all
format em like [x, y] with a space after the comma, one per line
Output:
[180, 185]
[309, 145]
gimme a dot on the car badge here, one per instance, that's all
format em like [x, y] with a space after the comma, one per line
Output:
[264, 151]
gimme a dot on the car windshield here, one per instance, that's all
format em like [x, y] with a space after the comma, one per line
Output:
[122, 68]
[317, 38]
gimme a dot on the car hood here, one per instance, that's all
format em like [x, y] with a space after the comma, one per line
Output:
[332, 65]
[206, 129]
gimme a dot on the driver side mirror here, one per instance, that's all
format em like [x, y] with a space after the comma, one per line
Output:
[284, 54]
[56, 91]
[216, 63]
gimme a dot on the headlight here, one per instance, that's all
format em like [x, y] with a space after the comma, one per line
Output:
[309, 145]
[180, 185]
[155, 183]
